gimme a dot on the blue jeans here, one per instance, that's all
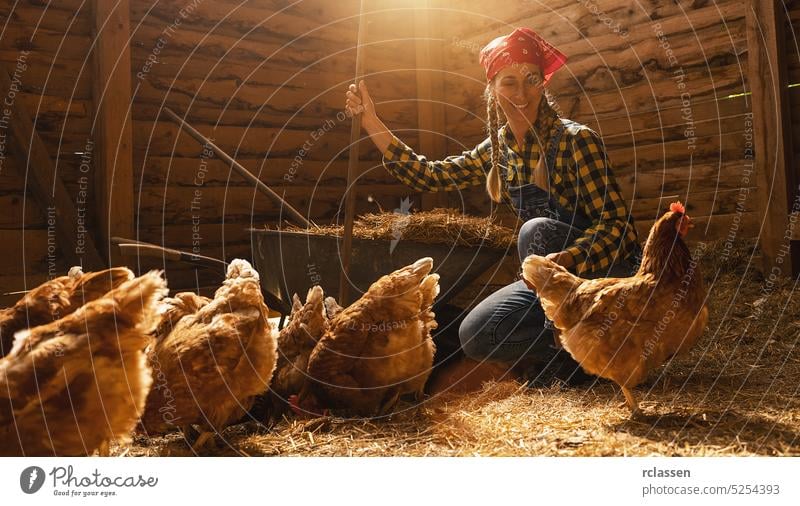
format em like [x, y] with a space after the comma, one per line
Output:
[509, 324]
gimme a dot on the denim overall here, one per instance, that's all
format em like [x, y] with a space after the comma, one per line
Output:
[510, 325]
[530, 201]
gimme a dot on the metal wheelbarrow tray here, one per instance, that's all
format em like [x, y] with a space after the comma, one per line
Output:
[292, 262]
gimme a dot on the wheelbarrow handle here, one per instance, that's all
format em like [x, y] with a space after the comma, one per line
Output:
[151, 250]
[296, 215]
[132, 247]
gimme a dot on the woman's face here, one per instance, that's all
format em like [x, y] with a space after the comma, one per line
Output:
[518, 89]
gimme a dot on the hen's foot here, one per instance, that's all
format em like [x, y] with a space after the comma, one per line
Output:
[631, 403]
[202, 439]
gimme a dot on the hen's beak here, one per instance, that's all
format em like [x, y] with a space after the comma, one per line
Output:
[684, 225]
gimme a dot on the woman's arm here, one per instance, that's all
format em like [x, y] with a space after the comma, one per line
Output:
[452, 173]
[602, 202]
[362, 103]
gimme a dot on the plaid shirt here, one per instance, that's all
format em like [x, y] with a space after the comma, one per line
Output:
[581, 179]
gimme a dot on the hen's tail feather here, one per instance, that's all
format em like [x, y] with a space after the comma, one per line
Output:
[430, 289]
[315, 295]
[138, 298]
[403, 282]
[551, 282]
[240, 268]
[133, 304]
[538, 271]
[332, 308]
[90, 286]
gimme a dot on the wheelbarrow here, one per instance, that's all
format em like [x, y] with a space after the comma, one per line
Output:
[131, 247]
[292, 262]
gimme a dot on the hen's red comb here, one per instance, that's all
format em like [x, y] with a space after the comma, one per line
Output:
[677, 207]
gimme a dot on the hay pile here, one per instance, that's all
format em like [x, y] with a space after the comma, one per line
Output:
[736, 393]
[439, 226]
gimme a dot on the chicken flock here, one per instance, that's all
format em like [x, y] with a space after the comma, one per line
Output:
[93, 358]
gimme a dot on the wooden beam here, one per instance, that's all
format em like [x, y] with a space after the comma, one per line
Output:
[771, 130]
[430, 92]
[111, 93]
[76, 244]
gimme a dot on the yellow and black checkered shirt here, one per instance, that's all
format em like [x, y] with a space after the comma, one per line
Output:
[581, 179]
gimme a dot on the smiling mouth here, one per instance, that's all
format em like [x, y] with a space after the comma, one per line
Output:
[521, 106]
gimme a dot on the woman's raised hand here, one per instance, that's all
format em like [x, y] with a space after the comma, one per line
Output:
[359, 102]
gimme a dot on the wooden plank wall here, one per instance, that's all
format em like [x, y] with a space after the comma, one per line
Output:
[620, 81]
[54, 79]
[260, 78]
[791, 15]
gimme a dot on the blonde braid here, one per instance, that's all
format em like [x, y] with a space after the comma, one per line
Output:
[493, 183]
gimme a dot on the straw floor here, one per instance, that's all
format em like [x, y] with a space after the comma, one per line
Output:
[736, 393]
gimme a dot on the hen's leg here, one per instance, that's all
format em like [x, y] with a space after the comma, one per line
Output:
[630, 401]
[389, 401]
[557, 339]
[202, 439]
[104, 450]
[189, 432]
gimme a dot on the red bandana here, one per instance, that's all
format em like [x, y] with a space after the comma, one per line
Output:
[523, 45]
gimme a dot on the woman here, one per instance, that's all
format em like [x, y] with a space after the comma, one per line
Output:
[553, 170]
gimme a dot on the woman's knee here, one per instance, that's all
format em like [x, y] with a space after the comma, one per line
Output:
[474, 336]
[534, 237]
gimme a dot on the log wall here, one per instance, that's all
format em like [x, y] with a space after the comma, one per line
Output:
[663, 83]
[266, 82]
[45, 51]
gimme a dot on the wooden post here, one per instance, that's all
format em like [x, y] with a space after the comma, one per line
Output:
[771, 131]
[76, 245]
[112, 130]
[430, 92]
[352, 167]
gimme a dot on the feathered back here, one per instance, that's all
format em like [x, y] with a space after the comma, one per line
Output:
[133, 305]
[88, 287]
[57, 298]
[552, 283]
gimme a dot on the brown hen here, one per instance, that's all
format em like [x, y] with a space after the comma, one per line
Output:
[172, 309]
[69, 387]
[379, 348]
[214, 363]
[295, 342]
[621, 328]
[56, 298]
